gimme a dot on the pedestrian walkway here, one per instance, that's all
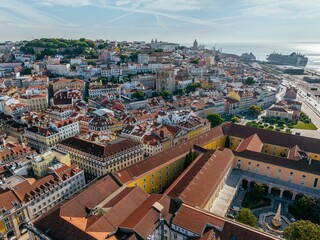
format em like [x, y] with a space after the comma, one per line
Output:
[221, 204]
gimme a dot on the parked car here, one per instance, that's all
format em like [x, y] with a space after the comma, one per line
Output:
[293, 220]
[230, 215]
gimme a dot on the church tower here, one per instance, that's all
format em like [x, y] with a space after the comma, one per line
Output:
[195, 44]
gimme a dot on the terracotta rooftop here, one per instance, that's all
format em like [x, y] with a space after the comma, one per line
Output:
[97, 149]
[300, 165]
[89, 198]
[172, 154]
[7, 199]
[252, 143]
[145, 219]
[199, 181]
[306, 144]
[196, 220]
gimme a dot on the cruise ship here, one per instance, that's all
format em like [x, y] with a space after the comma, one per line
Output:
[294, 59]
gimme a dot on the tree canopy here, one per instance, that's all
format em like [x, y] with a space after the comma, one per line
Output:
[192, 87]
[258, 191]
[302, 230]
[246, 216]
[165, 94]
[139, 94]
[249, 81]
[235, 119]
[215, 119]
[254, 110]
[305, 208]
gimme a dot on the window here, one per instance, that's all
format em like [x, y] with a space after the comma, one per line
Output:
[239, 164]
[7, 223]
[290, 176]
[20, 218]
[249, 166]
[303, 180]
[258, 168]
[315, 183]
[268, 171]
[279, 174]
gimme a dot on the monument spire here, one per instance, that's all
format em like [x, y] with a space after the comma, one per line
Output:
[276, 221]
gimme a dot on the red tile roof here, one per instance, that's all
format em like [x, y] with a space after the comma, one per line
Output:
[199, 181]
[89, 198]
[172, 154]
[196, 220]
[252, 143]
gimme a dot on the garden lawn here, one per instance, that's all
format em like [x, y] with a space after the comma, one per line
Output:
[307, 126]
[249, 201]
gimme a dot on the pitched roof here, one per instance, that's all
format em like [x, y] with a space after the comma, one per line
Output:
[7, 199]
[195, 220]
[89, 198]
[56, 227]
[172, 154]
[118, 209]
[276, 138]
[145, 219]
[299, 165]
[97, 149]
[198, 182]
[252, 143]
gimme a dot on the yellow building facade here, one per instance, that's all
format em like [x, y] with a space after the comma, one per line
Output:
[159, 178]
[12, 221]
[41, 164]
[297, 177]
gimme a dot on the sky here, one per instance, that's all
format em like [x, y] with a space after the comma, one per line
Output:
[181, 21]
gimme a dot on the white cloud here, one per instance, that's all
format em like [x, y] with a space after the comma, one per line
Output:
[73, 3]
[282, 8]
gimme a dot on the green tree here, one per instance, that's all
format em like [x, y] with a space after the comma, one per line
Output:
[302, 230]
[305, 208]
[126, 79]
[258, 191]
[195, 61]
[188, 159]
[73, 67]
[249, 81]
[215, 119]
[26, 71]
[101, 46]
[178, 92]
[235, 119]
[123, 58]
[246, 216]
[139, 94]
[103, 80]
[165, 94]
[155, 94]
[254, 110]
[192, 87]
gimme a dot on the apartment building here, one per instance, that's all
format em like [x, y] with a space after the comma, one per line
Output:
[64, 83]
[37, 103]
[41, 163]
[66, 128]
[98, 159]
[41, 139]
[13, 215]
